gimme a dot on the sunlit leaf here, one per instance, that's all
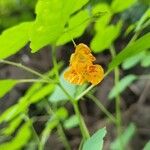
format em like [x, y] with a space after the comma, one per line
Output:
[20, 140]
[95, 142]
[101, 41]
[12, 126]
[13, 39]
[125, 138]
[146, 60]
[132, 49]
[6, 86]
[119, 5]
[121, 85]
[76, 27]
[51, 19]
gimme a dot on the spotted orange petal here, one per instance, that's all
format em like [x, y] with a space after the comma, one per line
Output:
[94, 74]
[73, 77]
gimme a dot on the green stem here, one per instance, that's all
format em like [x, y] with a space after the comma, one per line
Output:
[82, 124]
[31, 81]
[19, 65]
[102, 107]
[33, 131]
[63, 137]
[117, 98]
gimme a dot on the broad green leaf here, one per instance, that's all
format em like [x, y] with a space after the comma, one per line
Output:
[134, 60]
[20, 140]
[58, 95]
[125, 138]
[12, 126]
[130, 50]
[121, 86]
[76, 27]
[6, 86]
[105, 18]
[147, 146]
[146, 60]
[100, 42]
[120, 5]
[95, 142]
[71, 122]
[13, 39]
[52, 16]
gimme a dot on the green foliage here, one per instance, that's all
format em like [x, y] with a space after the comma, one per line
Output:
[101, 41]
[124, 138]
[95, 142]
[59, 95]
[132, 61]
[12, 126]
[71, 122]
[20, 140]
[51, 24]
[146, 60]
[147, 146]
[13, 39]
[119, 5]
[130, 50]
[121, 85]
[6, 86]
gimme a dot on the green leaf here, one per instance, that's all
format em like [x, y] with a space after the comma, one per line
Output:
[76, 27]
[6, 86]
[58, 95]
[105, 18]
[62, 113]
[130, 50]
[71, 122]
[9, 113]
[147, 146]
[52, 16]
[134, 60]
[20, 140]
[13, 39]
[146, 60]
[100, 42]
[125, 138]
[95, 142]
[119, 5]
[12, 126]
[41, 93]
[121, 85]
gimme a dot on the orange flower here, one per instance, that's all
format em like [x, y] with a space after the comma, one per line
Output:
[81, 67]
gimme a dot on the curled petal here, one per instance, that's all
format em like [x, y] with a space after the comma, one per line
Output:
[94, 74]
[73, 77]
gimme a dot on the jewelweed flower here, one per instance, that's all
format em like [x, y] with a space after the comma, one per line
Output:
[82, 69]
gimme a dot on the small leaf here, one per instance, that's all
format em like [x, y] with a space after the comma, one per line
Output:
[6, 86]
[121, 86]
[71, 122]
[100, 42]
[20, 140]
[130, 50]
[132, 61]
[125, 138]
[13, 39]
[62, 113]
[95, 142]
[147, 146]
[119, 5]
[12, 126]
